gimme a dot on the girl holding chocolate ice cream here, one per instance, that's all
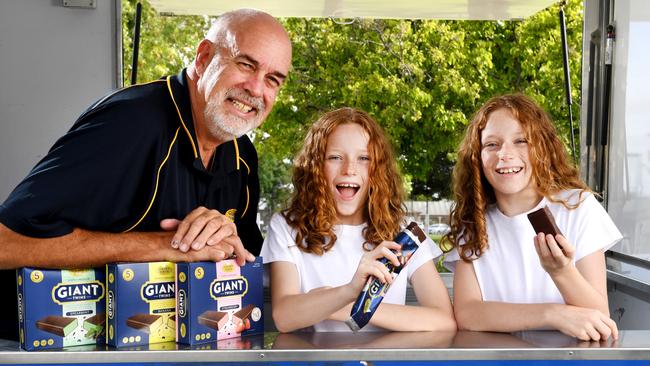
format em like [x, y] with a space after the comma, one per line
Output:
[344, 213]
[508, 275]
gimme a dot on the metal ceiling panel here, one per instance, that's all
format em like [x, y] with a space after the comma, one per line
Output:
[400, 9]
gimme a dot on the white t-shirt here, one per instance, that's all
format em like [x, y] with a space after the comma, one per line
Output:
[337, 266]
[510, 270]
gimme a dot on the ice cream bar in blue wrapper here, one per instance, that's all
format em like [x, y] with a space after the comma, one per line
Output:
[374, 291]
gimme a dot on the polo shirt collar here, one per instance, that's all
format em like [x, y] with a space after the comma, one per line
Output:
[226, 159]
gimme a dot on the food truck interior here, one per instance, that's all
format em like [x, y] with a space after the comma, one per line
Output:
[56, 57]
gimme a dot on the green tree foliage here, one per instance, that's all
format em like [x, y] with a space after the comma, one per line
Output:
[422, 80]
[167, 44]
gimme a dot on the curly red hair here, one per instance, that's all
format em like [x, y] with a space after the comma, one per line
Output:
[312, 210]
[552, 170]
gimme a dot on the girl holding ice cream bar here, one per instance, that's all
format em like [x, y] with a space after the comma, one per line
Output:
[346, 208]
[517, 270]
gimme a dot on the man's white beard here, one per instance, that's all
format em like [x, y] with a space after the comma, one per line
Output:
[226, 126]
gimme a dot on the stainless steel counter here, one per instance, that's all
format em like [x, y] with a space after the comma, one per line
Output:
[395, 346]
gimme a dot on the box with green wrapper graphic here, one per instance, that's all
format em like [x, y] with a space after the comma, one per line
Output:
[61, 308]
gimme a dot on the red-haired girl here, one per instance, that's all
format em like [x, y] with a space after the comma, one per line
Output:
[510, 163]
[346, 208]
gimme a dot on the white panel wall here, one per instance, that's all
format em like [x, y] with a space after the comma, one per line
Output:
[629, 178]
[54, 62]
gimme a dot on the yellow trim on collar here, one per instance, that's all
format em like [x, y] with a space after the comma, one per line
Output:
[155, 191]
[145, 83]
[119, 90]
[236, 153]
[171, 94]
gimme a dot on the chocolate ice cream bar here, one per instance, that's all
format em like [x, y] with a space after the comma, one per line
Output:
[147, 323]
[374, 290]
[243, 313]
[213, 319]
[95, 324]
[95, 321]
[59, 325]
[543, 222]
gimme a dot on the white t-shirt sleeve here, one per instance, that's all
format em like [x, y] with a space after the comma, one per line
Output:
[278, 241]
[594, 229]
[427, 251]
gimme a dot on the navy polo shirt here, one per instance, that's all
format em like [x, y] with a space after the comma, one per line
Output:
[128, 162]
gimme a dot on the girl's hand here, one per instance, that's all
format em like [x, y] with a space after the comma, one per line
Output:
[370, 266]
[583, 323]
[554, 259]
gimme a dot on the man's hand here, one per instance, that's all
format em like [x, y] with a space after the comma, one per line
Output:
[199, 228]
[207, 254]
[203, 227]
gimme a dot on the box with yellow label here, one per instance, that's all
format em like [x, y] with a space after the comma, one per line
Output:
[60, 308]
[218, 301]
[141, 303]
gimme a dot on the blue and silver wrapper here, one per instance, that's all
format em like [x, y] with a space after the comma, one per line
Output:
[373, 292]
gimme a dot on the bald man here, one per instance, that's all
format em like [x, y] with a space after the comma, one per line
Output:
[161, 171]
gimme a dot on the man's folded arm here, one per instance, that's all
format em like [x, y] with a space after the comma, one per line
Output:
[84, 249]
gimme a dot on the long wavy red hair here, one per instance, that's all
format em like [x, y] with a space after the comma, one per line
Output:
[312, 210]
[552, 170]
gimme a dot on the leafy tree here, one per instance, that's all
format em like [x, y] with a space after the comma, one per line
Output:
[421, 79]
[167, 43]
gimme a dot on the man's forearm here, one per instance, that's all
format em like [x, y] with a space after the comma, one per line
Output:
[83, 249]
